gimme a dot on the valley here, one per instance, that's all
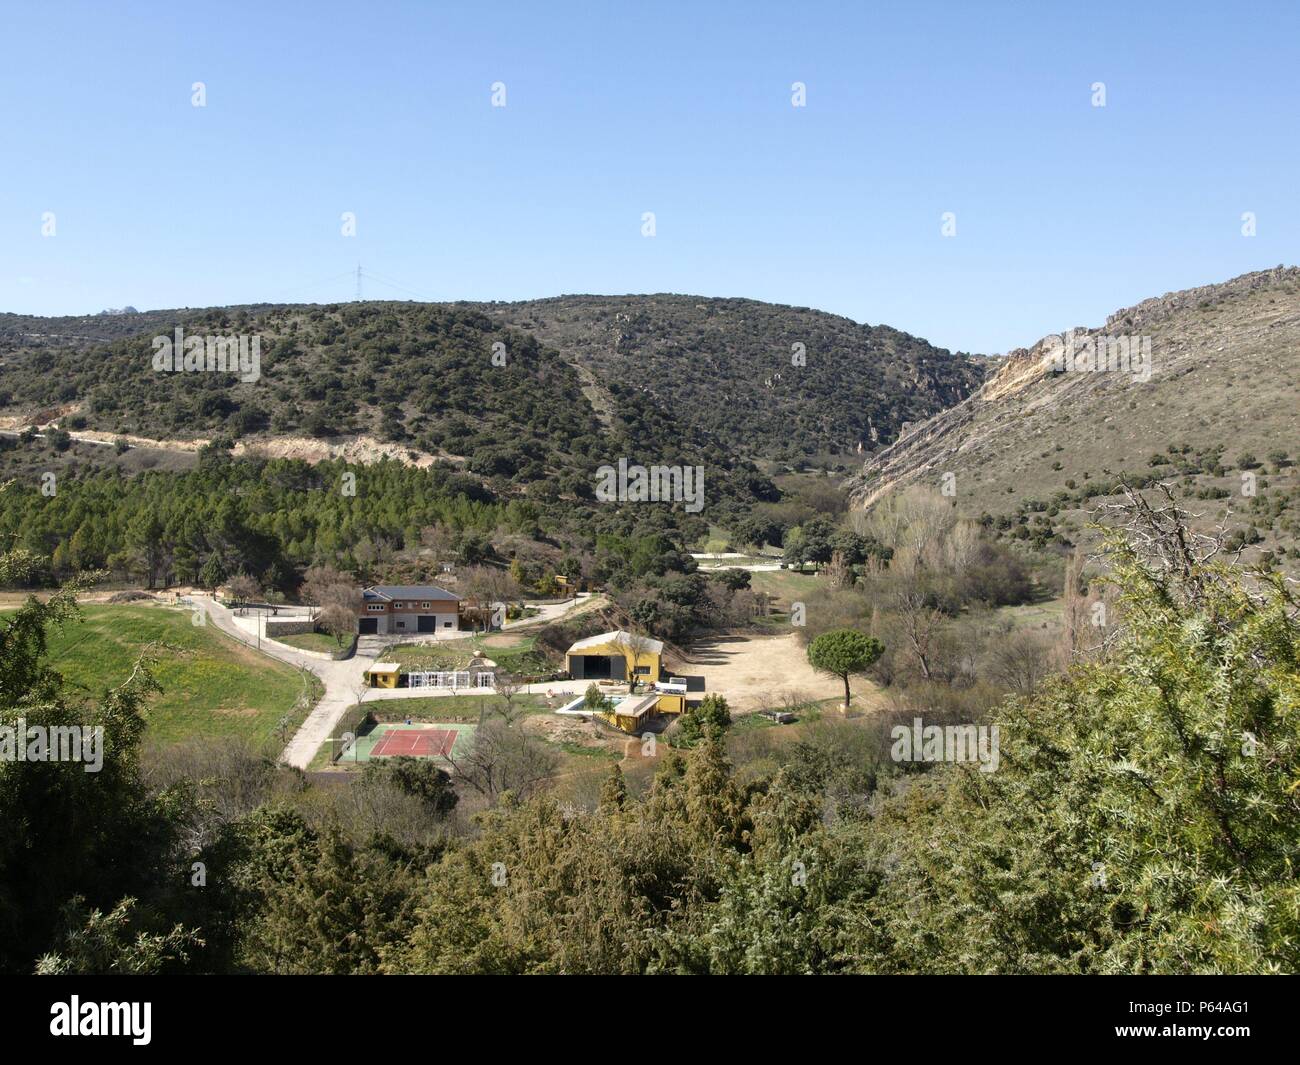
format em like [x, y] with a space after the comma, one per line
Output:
[889, 537]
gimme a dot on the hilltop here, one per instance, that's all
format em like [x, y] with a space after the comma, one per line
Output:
[421, 376]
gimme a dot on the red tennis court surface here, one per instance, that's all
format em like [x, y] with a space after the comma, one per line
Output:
[420, 743]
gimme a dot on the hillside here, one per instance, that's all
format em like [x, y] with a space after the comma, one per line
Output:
[19, 331]
[415, 376]
[725, 365]
[211, 686]
[656, 371]
[1033, 448]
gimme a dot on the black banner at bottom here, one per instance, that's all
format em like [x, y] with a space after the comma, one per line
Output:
[142, 1014]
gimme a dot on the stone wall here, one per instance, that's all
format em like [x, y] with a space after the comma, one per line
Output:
[277, 627]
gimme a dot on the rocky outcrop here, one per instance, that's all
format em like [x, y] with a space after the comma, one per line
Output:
[1024, 403]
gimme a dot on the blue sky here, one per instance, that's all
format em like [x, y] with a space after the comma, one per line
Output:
[1064, 211]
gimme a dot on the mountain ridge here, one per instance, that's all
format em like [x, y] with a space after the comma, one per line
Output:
[721, 368]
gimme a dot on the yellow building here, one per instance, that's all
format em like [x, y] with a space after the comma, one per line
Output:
[671, 704]
[616, 655]
[630, 713]
[383, 674]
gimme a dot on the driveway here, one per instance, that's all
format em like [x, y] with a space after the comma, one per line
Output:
[549, 612]
[342, 680]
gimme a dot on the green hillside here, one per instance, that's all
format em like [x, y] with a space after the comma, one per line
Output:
[653, 370]
[727, 366]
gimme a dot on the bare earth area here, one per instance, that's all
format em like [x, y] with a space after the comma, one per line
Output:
[758, 671]
[570, 730]
[360, 448]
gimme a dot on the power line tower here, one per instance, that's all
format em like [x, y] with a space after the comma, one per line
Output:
[358, 282]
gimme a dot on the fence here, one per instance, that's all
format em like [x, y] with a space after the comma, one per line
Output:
[450, 679]
[351, 724]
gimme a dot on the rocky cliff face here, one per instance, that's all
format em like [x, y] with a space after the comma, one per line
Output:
[1222, 370]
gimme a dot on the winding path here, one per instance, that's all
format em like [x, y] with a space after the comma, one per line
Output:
[341, 680]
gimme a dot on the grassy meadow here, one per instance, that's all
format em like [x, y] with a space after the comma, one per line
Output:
[212, 686]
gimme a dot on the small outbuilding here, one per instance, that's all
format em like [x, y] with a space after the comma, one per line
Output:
[383, 674]
[629, 713]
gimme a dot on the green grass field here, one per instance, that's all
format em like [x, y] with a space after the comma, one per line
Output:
[449, 707]
[514, 654]
[312, 641]
[454, 654]
[1050, 614]
[212, 685]
[783, 583]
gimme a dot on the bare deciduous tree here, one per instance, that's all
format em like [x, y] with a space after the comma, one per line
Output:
[838, 571]
[338, 621]
[437, 541]
[916, 517]
[325, 586]
[242, 588]
[508, 687]
[505, 759]
[489, 585]
[1020, 661]
[635, 648]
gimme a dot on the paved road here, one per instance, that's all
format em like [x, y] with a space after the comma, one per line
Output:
[341, 680]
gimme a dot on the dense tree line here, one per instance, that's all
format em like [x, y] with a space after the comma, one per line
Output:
[266, 519]
[270, 521]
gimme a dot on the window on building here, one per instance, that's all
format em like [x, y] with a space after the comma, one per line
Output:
[398, 606]
[425, 606]
[376, 608]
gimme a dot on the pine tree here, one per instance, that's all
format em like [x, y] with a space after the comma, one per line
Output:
[613, 792]
[213, 574]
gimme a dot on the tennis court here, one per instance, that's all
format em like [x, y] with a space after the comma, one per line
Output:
[418, 743]
[422, 740]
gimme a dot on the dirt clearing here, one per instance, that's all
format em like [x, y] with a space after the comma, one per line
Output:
[758, 671]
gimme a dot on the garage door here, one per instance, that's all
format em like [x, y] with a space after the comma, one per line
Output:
[427, 623]
[368, 626]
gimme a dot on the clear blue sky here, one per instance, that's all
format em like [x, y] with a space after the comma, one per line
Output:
[1065, 211]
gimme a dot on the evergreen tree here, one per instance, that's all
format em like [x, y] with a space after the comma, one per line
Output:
[613, 792]
[842, 653]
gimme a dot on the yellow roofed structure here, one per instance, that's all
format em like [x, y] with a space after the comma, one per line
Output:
[616, 655]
